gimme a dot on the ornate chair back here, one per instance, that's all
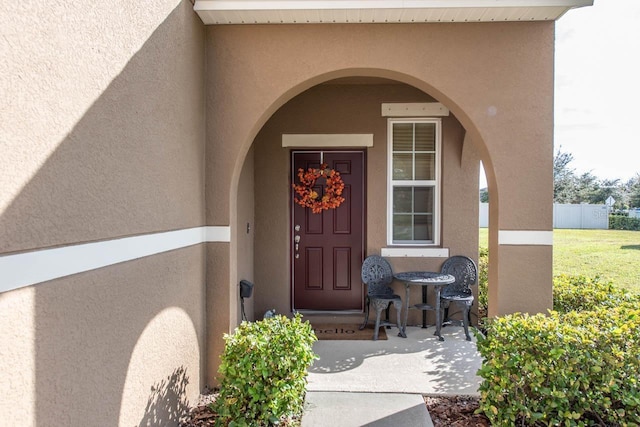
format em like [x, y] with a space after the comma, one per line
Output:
[466, 273]
[377, 275]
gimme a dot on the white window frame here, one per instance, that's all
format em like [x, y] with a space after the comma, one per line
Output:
[436, 184]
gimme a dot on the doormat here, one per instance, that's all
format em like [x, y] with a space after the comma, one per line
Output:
[346, 331]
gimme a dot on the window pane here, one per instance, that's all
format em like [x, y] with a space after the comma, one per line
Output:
[425, 137]
[402, 200]
[422, 227]
[423, 200]
[402, 227]
[425, 166]
[403, 137]
[403, 166]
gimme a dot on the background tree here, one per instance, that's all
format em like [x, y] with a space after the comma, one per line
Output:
[633, 188]
[484, 195]
[563, 178]
[586, 188]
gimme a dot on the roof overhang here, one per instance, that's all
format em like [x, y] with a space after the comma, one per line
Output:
[380, 11]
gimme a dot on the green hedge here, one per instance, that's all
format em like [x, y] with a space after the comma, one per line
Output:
[264, 369]
[618, 222]
[580, 293]
[569, 369]
[578, 366]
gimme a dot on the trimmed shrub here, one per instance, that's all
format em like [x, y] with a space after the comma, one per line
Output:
[570, 369]
[580, 293]
[483, 285]
[264, 372]
[618, 222]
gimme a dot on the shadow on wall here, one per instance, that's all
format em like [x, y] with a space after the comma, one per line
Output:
[131, 165]
[105, 337]
[167, 404]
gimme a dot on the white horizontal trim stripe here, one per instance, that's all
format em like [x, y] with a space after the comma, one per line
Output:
[217, 234]
[29, 268]
[415, 252]
[327, 140]
[525, 237]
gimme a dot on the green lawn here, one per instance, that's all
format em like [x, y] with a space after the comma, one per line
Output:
[612, 254]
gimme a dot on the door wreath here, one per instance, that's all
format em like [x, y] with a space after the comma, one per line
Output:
[309, 198]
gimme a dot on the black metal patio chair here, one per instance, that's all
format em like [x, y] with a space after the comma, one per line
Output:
[466, 273]
[377, 275]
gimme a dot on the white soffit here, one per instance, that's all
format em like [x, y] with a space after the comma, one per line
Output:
[380, 11]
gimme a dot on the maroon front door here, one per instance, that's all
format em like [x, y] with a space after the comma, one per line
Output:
[328, 254]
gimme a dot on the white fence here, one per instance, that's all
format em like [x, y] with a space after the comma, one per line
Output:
[484, 215]
[567, 216]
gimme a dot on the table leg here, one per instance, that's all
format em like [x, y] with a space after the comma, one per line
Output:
[406, 308]
[424, 312]
[437, 307]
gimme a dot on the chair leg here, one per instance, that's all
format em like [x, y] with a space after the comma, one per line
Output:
[401, 332]
[377, 330]
[465, 319]
[366, 315]
[445, 317]
[387, 315]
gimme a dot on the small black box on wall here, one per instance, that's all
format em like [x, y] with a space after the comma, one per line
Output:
[246, 288]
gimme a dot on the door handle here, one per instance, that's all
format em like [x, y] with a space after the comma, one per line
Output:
[296, 239]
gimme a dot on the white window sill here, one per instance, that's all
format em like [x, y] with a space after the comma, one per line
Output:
[415, 252]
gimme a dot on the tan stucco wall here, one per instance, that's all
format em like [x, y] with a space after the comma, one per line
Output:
[123, 345]
[245, 234]
[102, 136]
[496, 78]
[102, 123]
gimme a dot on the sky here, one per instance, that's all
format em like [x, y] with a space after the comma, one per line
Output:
[597, 89]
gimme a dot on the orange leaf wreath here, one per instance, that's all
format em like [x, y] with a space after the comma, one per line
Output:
[309, 198]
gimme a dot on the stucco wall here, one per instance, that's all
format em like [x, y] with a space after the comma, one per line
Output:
[102, 136]
[102, 123]
[122, 345]
[345, 108]
[245, 233]
[496, 78]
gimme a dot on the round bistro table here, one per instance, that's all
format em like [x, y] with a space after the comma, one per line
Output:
[424, 279]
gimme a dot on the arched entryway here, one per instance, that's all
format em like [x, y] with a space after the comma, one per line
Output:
[337, 116]
[507, 126]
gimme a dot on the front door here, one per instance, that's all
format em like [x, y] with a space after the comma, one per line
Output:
[330, 245]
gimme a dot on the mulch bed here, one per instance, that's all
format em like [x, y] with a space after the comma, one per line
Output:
[201, 415]
[455, 411]
[452, 411]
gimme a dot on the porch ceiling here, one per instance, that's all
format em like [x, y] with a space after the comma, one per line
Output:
[214, 12]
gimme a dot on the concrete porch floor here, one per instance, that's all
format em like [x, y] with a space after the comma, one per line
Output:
[382, 382]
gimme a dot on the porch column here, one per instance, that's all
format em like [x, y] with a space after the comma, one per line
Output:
[521, 232]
